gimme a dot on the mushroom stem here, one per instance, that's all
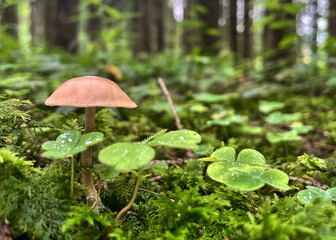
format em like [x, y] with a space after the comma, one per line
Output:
[91, 193]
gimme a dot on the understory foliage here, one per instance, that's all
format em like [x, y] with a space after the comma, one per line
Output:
[13, 123]
[33, 200]
[288, 118]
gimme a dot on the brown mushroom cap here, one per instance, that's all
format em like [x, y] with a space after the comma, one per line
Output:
[90, 91]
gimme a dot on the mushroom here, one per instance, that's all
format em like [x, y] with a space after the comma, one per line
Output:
[89, 92]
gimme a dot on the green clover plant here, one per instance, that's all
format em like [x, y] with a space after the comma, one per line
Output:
[234, 119]
[267, 106]
[68, 144]
[247, 172]
[309, 195]
[288, 136]
[132, 156]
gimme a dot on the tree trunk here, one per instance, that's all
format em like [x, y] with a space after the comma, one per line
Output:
[94, 23]
[141, 31]
[233, 27]
[210, 20]
[136, 27]
[37, 17]
[332, 27]
[191, 32]
[10, 18]
[315, 28]
[170, 28]
[280, 57]
[159, 23]
[148, 28]
[147, 14]
[60, 30]
[332, 18]
[247, 25]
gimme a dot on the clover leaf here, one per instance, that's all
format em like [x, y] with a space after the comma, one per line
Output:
[126, 156]
[267, 107]
[235, 119]
[246, 173]
[185, 139]
[279, 117]
[309, 195]
[225, 153]
[70, 143]
[283, 136]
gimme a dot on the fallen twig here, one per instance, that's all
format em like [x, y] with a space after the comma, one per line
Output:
[172, 107]
[170, 102]
[309, 183]
[177, 161]
[153, 179]
[149, 191]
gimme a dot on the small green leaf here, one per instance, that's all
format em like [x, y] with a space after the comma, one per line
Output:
[238, 176]
[198, 108]
[162, 165]
[253, 130]
[209, 97]
[251, 156]
[185, 139]
[278, 117]
[309, 195]
[283, 137]
[267, 107]
[332, 192]
[106, 173]
[276, 178]
[126, 156]
[235, 119]
[225, 153]
[70, 143]
[300, 128]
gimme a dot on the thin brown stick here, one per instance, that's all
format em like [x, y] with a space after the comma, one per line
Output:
[172, 107]
[309, 183]
[149, 191]
[170, 102]
[153, 179]
[323, 145]
[251, 202]
[177, 161]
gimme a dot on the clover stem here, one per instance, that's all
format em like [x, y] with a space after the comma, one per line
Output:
[251, 202]
[72, 176]
[129, 205]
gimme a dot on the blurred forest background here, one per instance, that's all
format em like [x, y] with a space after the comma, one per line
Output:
[264, 31]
